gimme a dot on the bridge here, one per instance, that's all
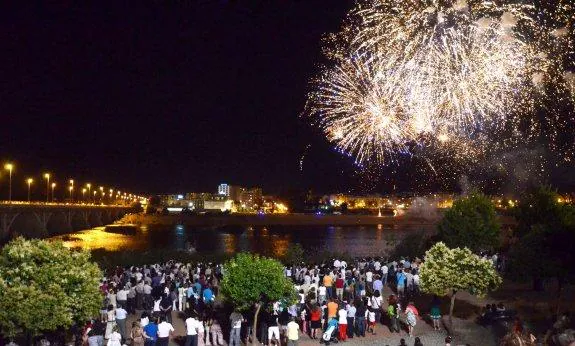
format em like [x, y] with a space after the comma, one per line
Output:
[47, 219]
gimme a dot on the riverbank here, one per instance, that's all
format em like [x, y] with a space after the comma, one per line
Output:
[404, 221]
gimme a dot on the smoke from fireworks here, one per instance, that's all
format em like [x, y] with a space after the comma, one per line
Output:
[443, 77]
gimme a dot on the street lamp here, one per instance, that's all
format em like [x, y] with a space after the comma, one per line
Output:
[83, 194]
[9, 168]
[53, 186]
[89, 186]
[29, 181]
[47, 177]
[71, 190]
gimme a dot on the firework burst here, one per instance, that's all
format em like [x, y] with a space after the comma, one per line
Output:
[420, 77]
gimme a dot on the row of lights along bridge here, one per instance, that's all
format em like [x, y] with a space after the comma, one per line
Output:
[91, 194]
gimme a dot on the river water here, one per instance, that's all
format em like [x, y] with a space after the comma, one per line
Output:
[270, 240]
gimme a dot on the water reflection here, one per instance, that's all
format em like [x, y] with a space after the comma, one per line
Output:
[97, 238]
[272, 241]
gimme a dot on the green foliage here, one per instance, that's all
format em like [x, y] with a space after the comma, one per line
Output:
[546, 232]
[541, 207]
[44, 286]
[250, 278]
[472, 223]
[531, 257]
[448, 270]
[294, 254]
[411, 246]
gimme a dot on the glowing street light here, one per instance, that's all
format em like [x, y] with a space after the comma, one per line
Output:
[29, 181]
[89, 186]
[71, 188]
[47, 177]
[53, 186]
[83, 194]
[9, 168]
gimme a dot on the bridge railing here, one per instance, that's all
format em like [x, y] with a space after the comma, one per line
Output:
[63, 204]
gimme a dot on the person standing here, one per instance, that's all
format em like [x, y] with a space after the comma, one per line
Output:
[360, 318]
[376, 302]
[435, 313]
[147, 300]
[236, 320]
[182, 295]
[342, 322]
[115, 337]
[217, 334]
[321, 294]
[151, 332]
[392, 313]
[328, 283]
[411, 321]
[273, 329]
[332, 309]
[292, 333]
[132, 300]
[166, 307]
[369, 281]
[202, 335]
[121, 315]
[315, 321]
[137, 334]
[384, 272]
[122, 297]
[351, 310]
[339, 284]
[165, 330]
[192, 329]
[110, 321]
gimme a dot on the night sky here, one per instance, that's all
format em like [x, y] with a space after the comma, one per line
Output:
[161, 98]
[158, 98]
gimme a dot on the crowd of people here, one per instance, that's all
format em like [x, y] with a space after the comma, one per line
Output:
[335, 300]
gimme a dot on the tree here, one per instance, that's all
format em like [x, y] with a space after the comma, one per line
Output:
[252, 280]
[45, 286]
[472, 223]
[541, 207]
[546, 232]
[294, 254]
[447, 271]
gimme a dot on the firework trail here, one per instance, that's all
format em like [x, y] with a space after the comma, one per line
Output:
[303, 156]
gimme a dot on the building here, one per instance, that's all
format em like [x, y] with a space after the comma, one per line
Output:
[224, 190]
[218, 202]
[232, 191]
[176, 200]
[251, 199]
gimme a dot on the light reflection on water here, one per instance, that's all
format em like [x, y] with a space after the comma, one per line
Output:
[357, 240]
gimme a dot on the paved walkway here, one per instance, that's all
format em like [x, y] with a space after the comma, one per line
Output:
[467, 333]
